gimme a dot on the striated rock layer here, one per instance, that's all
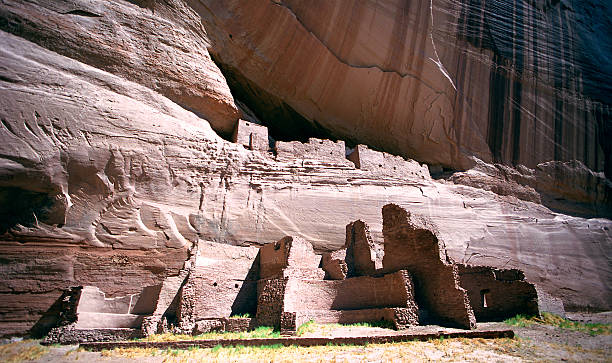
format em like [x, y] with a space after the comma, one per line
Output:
[106, 179]
[513, 82]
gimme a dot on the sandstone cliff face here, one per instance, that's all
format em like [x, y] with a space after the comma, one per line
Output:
[159, 45]
[107, 179]
[513, 82]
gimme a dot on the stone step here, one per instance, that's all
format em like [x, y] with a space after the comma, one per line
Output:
[88, 320]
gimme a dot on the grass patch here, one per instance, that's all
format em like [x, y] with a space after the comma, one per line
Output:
[245, 315]
[311, 326]
[555, 320]
[22, 351]
[408, 351]
[307, 327]
[259, 332]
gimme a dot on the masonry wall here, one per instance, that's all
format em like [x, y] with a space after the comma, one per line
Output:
[314, 152]
[222, 283]
[411, 244]
[387, 164]
[270, 301]
[392, 290]
[504, 291]
[251, 135]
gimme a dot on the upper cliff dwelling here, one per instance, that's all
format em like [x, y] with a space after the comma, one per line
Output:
[177, 165]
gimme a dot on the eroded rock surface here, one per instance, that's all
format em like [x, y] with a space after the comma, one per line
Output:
[413, 243]
[513, 82]
[107, 179]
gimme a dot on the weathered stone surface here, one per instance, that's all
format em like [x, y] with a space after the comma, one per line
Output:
[163, 47]
[568, 187]
[497, 294]
[363, 256]
[222, 282]
[412, 243]
[251, 135]
[36, 275]
[515, 82]
[289, 257]
[107, 183]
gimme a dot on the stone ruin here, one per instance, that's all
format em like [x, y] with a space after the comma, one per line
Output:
[251, 135]
[328, 153]
[407, 281]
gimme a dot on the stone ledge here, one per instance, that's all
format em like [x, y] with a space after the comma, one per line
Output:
[304, 342]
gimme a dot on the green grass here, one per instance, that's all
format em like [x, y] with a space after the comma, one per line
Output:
[307, 327]
[245, 315]
[555, 320]
[311, 327]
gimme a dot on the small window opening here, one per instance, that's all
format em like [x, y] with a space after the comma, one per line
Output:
[236, 285]
[484, 295]
[214, 284]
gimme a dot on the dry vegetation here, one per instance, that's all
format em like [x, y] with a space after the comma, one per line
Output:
[553, 320]
[260, 332]
[21, 351]
[549, 338]
[434, 350]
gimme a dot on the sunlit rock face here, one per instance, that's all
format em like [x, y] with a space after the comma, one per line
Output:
[515, 82]
[111, 168]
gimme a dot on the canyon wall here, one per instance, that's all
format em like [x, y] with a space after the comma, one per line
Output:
[514, 82]
[111, 169]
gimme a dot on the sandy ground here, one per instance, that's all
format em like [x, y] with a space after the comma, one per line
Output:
[537, 342]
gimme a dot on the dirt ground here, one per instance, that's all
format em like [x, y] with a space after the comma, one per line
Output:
[536, 342]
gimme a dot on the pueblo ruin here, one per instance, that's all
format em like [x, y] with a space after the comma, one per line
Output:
[407, 280]
[191, 165]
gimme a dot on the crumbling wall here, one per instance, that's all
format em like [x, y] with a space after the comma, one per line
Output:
[85, 314]
[251, 135]
[314, 152]
[290, 256]
[271, 301]
[222, 282]
[364, 257]
[292, 290]
[387, 164]
[365, 292]
[411, 243]
[361, 256]
[497, 294]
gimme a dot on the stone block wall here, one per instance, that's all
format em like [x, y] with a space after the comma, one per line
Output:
[222, 282]
[270, 301]
[290, 256]
[498, 294]
[364, 257]
[412, 244]
[213, 295]
[387, 164]
[222, 325]
[251, 135]
[364, 292]
[314, 152]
